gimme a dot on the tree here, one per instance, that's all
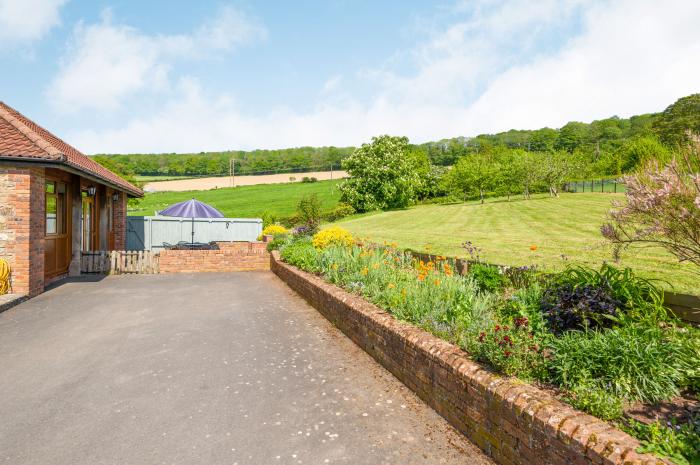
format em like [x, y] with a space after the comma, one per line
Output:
[529, 170]
[543, 140]
[383, 174]
[473, 175]
[662, 208]
[673, 124]
[509, 171]
[638, 151]
[572, 135]
[555, 168]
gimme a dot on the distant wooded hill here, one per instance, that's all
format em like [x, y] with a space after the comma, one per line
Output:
[611, 144]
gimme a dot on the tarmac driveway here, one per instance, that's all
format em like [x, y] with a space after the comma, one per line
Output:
[201, 369]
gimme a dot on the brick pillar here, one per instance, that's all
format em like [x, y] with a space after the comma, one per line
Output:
[120, 222]
[22, 223]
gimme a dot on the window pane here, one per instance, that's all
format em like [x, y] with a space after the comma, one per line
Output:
[60, 213]
[51, 214]
[50, 187]
[61, 188]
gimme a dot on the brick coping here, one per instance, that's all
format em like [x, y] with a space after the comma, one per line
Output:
[512, 421]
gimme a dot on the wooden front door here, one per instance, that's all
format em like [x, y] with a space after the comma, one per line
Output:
[57, 239]
[88, 219]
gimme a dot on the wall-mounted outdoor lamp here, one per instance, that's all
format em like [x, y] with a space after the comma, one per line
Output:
[91, 191]
[115, 197]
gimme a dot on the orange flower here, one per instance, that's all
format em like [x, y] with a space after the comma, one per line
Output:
[436, 282]
[421, 277]
[533, 247]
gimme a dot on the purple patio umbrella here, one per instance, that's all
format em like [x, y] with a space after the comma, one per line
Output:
[192, 209]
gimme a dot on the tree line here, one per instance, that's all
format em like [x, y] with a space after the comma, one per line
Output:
[391, 173]
[606, 147]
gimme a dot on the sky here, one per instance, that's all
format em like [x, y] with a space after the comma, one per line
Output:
[127, 76]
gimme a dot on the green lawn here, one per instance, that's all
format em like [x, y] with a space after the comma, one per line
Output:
[564, 229]
[246, 201]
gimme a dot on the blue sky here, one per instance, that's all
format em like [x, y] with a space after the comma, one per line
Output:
[135, 76]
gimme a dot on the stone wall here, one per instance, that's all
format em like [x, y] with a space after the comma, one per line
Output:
[22, 227]
[231, 256]
[512, 421]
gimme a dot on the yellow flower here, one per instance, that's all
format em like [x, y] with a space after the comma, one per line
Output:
[335, 266]
[332, 236]
[403, 292]
[273, 229]
[375, 266]
[364, 271]
[391, 285]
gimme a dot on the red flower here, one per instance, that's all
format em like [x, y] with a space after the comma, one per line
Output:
[521, 322]
[497, 328]
[507, 353]
[481, 337]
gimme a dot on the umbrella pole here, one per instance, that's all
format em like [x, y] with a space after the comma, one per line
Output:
[192, 230]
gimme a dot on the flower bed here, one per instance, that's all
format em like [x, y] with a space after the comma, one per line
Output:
[602, 338]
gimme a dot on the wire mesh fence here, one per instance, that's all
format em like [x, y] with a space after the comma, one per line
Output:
[595, 185]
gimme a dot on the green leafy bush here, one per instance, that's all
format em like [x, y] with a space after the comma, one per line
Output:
[644, 363]
[488, 278]
[339, 212]
[596, 400]
[680, 443]
[301, 253]
[584, 298]
[511, 349]
[309, 213]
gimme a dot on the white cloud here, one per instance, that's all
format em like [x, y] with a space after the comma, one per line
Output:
[27, 20]
[479, 75]
[107, 63]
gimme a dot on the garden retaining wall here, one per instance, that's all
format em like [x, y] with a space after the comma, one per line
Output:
[512, 421]
[230, 256]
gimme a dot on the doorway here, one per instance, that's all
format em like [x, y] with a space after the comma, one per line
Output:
[88, 223]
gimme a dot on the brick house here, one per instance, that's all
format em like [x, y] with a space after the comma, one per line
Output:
[55, 203]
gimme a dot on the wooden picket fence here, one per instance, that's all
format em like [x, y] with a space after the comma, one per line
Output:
[120, 262]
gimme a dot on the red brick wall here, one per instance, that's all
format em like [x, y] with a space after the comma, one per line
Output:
[22, 227]
[120, 222]
[231, 256]
[513, 422]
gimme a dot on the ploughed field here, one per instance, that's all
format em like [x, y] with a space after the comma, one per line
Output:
[560, 230]
[154, 184]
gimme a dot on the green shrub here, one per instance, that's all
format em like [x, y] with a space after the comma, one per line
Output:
[488, 278]
[644, 363]
[268, 218]
[511, 349]
[596, 400]
[278, 240]
[637, 299]
[309, 213]
[525, 303]
[680, 443]
[301, 253]
[339, 212]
